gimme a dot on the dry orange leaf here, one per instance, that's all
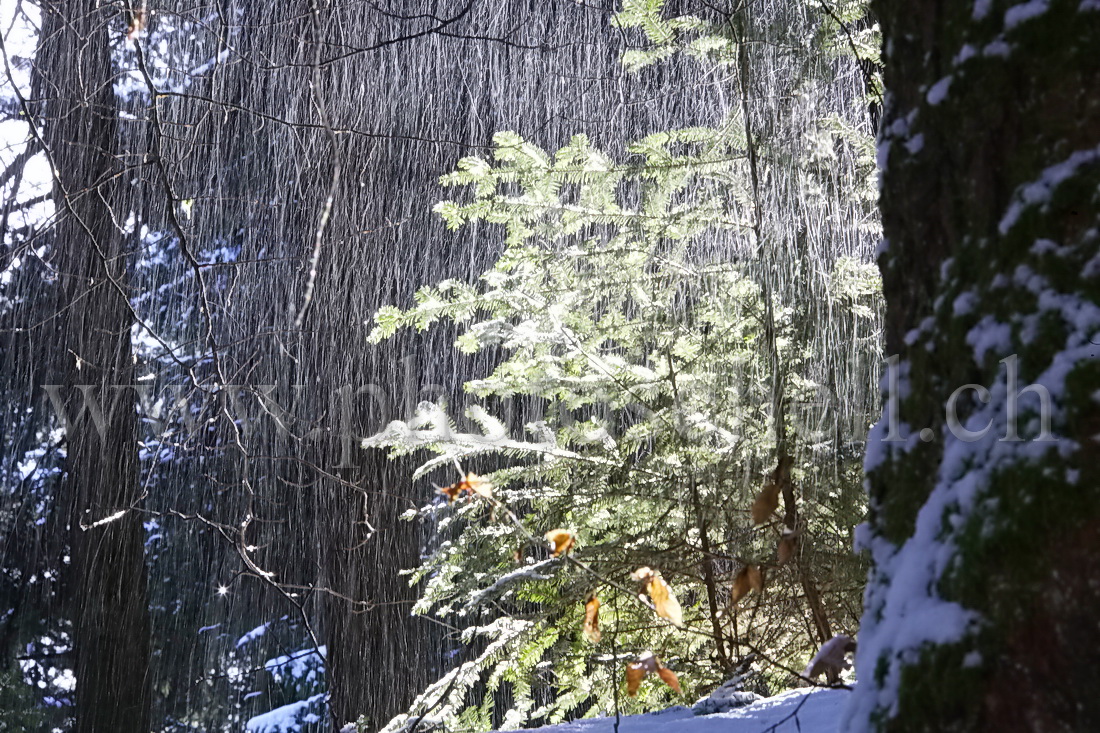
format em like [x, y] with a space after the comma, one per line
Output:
[670, 678]
[765, 503]
[635, 673]
[756, 578]
[471, 483]
[648, 662]
[477, 485]
[451, 492]
[749, 579]
[787, 545]
[664, 601]
[740, 587]
[592, 620]
[782, 472]
[562, 540]
[136, 24]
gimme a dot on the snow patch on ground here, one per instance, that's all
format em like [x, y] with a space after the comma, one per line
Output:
[730, 695]
[806, 711]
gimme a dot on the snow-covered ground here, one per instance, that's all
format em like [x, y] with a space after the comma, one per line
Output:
[801, 711]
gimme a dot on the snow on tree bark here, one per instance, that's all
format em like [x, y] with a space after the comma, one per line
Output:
[985, 532]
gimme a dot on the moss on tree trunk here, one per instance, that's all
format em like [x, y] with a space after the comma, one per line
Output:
[981, 610]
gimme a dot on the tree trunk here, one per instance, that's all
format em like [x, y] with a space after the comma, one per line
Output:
[985, 531]
[108, 577]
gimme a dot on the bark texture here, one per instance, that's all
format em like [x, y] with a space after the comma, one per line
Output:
[981, 605]
[107, 587]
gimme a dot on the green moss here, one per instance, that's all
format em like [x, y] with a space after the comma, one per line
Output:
[1006, 119]
[937, 693]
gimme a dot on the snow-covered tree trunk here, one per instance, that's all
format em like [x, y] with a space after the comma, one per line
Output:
[985, 530]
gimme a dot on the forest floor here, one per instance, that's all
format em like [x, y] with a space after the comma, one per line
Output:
[804, 711]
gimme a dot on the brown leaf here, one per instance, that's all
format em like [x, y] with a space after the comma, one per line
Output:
[592, 620]
[637, 671]
[740, 587]
[451, 492]
[756, 578]
[634, 676]
[669, 678]
[765, 504]
[664, 601]
[748, 579]
[562, 541]
[477, 485]
[136, 24]
[471, 483]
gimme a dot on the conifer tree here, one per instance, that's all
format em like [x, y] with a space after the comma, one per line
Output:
[637, 306]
